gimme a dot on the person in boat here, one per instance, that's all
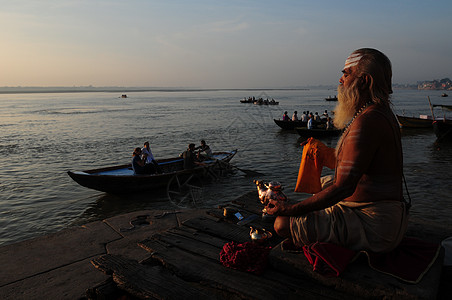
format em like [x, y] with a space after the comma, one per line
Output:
[190, 158]
[304, 117]
[146, 153]
[204, 151]
[363, 208]
[285, 117]
[139, 165]
[329, 124]
[316, 117]
[311, 122]
[295, 116]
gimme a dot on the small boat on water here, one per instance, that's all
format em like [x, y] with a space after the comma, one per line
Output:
[123, 96]
[317, 132]
[121, 179]
[265, 102]
[444, 95]
[290, 125]
[260, 101]
[329, 98]
[423, 121]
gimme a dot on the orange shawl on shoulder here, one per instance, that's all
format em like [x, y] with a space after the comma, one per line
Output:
[315, 155]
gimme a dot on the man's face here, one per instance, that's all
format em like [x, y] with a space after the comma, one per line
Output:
[348, 77]
[348, 98]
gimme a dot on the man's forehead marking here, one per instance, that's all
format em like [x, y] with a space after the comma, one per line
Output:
[352, 60]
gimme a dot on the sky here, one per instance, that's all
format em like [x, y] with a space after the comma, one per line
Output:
[217, 44]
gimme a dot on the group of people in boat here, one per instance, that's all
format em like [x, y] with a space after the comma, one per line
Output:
[259, 101]
[143, 161]
[192, 158]
[312, 120]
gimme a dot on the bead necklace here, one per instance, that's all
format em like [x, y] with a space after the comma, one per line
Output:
[363, 108]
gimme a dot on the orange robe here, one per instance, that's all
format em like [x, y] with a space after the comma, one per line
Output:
[315, 155]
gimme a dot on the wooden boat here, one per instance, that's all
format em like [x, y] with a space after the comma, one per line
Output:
[120, 179]
[317, 132]
[329, 98]
[443, 129]
[413, 122]
[290, 125]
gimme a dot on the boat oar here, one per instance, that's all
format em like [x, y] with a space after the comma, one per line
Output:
[249, 173]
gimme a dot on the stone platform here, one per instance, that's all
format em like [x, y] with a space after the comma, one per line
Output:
[174, 255]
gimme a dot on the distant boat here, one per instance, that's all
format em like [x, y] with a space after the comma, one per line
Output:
[329, 98]
[123, 96]
[444, 95]
[423, 121]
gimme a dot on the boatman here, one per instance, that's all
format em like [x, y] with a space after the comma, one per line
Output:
[190, 159]
[147, 155]
[204, 151]
[363, 209]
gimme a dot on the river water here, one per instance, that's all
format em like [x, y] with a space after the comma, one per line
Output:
[43, 135]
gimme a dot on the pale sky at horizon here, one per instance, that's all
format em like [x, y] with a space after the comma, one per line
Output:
[217, 44]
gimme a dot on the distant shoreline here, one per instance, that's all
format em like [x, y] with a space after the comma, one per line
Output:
[45, 90]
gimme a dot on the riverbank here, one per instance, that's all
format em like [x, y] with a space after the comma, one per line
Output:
[60, 265]
[38, 129]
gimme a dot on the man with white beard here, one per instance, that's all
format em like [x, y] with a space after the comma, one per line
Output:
[363, 209]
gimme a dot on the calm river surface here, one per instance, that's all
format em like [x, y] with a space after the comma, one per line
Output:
[44, 135]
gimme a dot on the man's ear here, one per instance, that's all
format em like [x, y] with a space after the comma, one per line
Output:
[364, 81]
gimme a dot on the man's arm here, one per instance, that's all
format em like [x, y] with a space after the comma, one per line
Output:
[359, 147]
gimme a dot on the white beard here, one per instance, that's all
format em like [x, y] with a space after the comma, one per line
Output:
[348, 98]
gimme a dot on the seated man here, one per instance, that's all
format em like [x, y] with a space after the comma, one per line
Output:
[138, 163]
[151, 163]
[189, 156]
[304, 117]
[363, 209]
[204, 148]
[285, 117]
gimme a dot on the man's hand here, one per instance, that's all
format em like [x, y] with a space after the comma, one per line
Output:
[277, 208]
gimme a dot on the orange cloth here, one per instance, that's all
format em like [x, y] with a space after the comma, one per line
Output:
[315, 155]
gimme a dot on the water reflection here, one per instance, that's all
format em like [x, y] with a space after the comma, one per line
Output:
[441, 151]
[108, 205]
[416, 132]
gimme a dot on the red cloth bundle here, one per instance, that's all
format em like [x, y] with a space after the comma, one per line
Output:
[249, 257]
[408, 262]
[328, 259]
